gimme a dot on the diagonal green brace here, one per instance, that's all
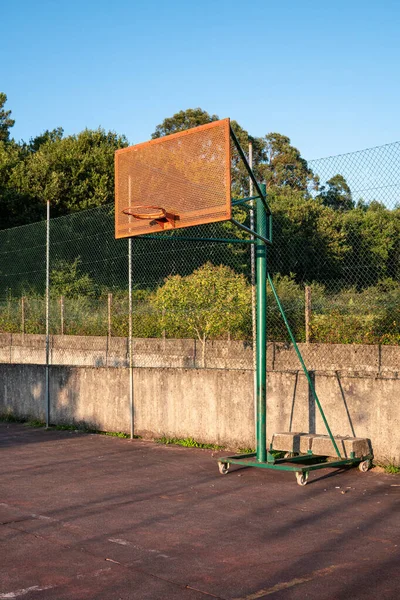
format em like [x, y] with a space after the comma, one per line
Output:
[306, 373]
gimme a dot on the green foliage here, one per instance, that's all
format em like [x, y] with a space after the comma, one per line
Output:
[35, 423]
[10, 316]
[336, 328]
[343, 247]
[390, 466]
[323, 238]
[9, 417]
[66, 280]
[5, 121]
[213, 303]
[350, 251]
[275, 160]
[284, 166]
[291, 295]
[187, 443]
[118, 434]
[145, 321]
[72, 173]
[208, 303]
[371, 316]
[312, 243]
[82, 315]
[372, 243]
[392, 469]
[240, 176]
[16, 206]
[337, 194]
[47, 137]
[184, 119]
[318, 239]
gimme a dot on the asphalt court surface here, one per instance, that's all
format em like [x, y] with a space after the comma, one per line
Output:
[95, 517]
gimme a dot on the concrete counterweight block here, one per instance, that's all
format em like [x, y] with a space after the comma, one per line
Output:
[287, 442]
[306, 441]
[321, 445]
[360, 446]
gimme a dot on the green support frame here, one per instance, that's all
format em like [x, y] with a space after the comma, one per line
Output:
[267, 458]
[263, 458]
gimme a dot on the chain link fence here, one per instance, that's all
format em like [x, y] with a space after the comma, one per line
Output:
[359, 301]
[335, 263]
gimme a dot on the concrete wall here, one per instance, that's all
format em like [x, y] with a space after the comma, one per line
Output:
[113, 352]
[99, 351]
[210, 405]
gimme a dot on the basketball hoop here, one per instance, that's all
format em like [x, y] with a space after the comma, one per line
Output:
[155, 214]
[179, 180]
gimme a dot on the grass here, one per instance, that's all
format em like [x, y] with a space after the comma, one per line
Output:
[10, 418]
[390, 466]
[392, 469]
[84, 429]
[187, 443]
[118, 434]
[36, 423]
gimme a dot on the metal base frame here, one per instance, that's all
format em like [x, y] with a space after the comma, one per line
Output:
[300, 464]
[264, 458]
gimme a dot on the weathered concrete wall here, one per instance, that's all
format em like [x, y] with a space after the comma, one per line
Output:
[113, 352]
[99, 351]
[210, 405]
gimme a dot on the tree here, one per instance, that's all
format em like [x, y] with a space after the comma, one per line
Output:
[308, 237]
[17, 207]
[55, 135]
[194, 117]
[184, 119]
[72, 173]
[240, 176]
[5, 121]
[275, 160]
[373, 240]
[284, 166]
[210, 302]
[311, 237]
[67, 280]
[337, 194]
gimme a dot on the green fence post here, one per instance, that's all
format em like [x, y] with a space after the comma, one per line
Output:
[261, 342]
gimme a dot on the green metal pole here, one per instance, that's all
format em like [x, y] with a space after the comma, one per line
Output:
[261, 342]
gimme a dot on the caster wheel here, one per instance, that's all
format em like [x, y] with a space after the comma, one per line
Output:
[302, 478]
[364, 466]
[289, 455]
[223, 468]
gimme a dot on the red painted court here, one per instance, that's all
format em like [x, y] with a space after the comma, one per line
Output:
[92, 517]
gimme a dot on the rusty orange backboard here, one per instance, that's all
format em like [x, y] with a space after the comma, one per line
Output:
[175, 181]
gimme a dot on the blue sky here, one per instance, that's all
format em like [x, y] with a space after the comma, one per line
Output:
[324, 73]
